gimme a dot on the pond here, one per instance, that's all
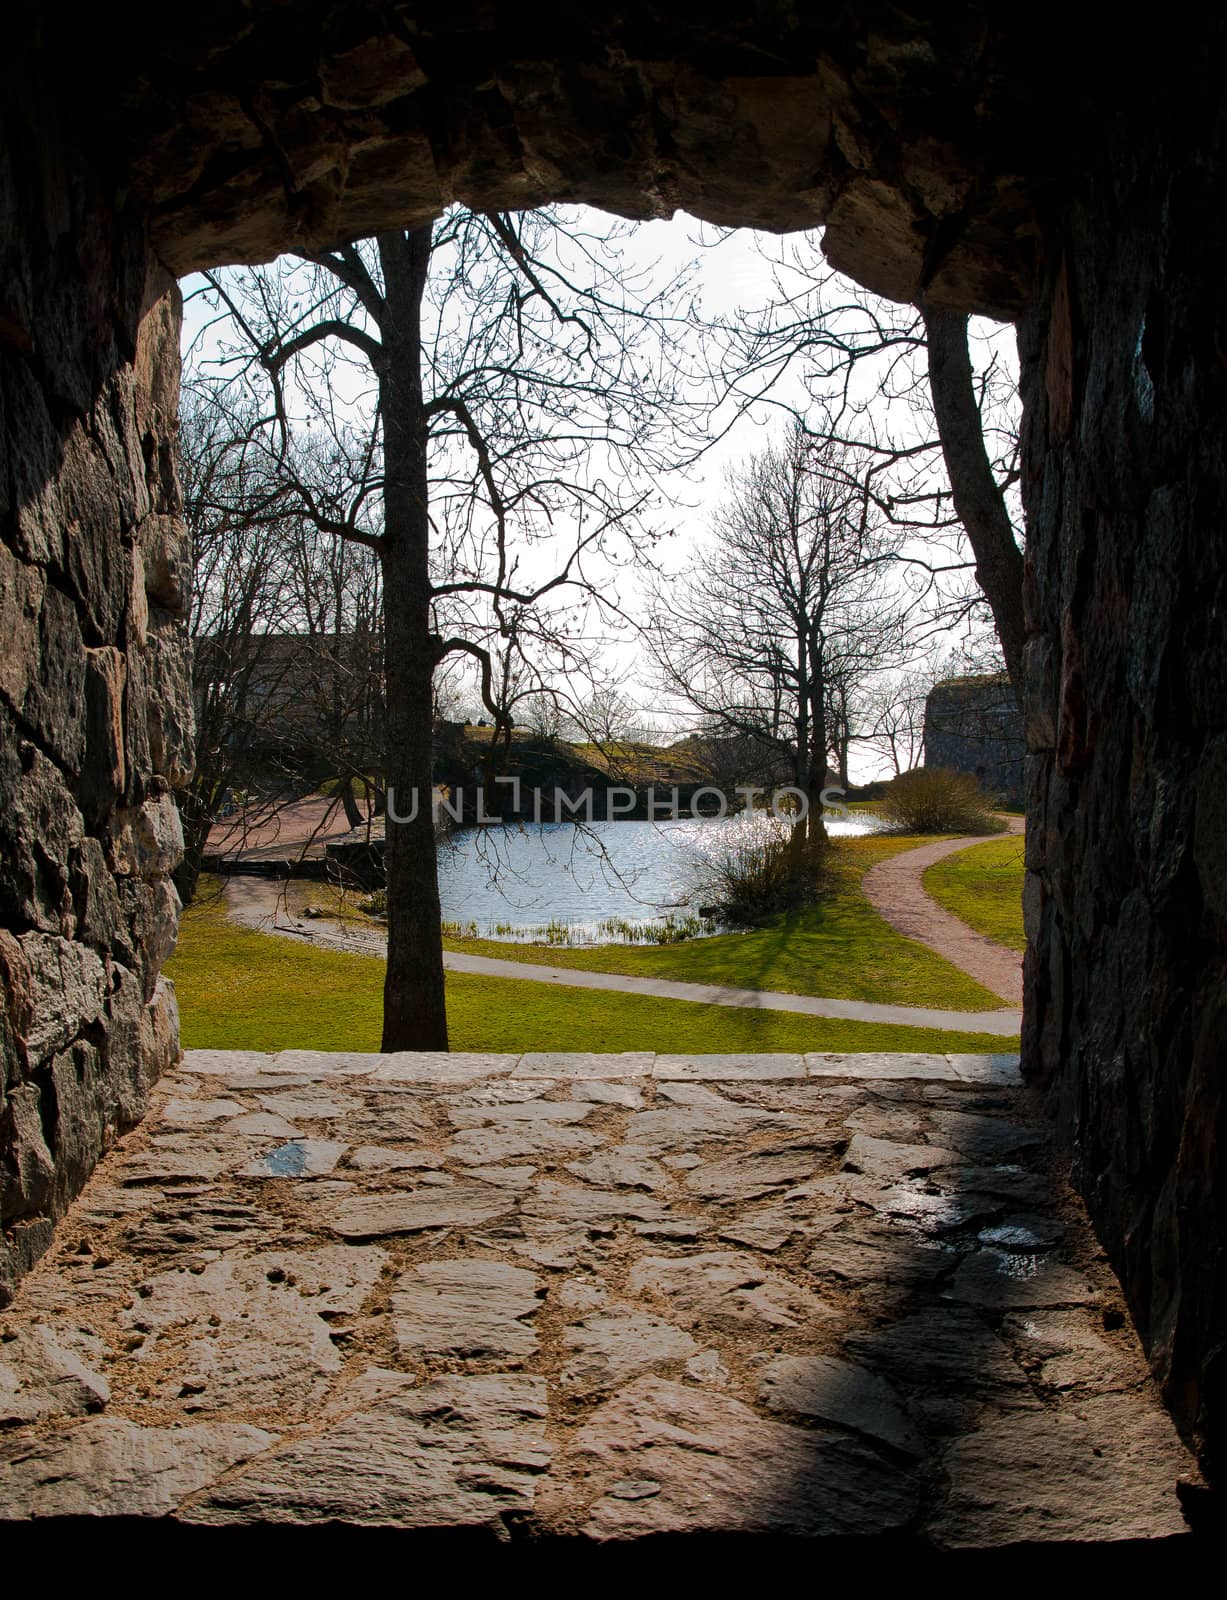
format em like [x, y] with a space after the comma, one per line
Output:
[603, 881]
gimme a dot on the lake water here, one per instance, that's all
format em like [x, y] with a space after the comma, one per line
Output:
[510, 882]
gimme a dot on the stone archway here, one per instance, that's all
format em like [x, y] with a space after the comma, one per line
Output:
[976, 159]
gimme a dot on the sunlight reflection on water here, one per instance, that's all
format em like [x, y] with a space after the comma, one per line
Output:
[509, 881]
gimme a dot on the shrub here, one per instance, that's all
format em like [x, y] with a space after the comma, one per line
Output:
[937, 800]
[752, 879]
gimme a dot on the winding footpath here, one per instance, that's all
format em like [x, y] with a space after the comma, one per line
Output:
[259, 904]
[895, 888]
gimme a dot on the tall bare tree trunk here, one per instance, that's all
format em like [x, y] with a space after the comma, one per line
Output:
[197, 820]
[814, 750]
[414, 1008]
[977, 499]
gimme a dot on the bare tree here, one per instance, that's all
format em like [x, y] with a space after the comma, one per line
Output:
[286, 624]
[977, 494]
[784, 610]
[845, 362]
[540, 712]
[604, 715]
[492, 395]
[239, 594]
[893, 716]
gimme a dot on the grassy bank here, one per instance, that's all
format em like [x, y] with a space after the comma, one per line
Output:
[243, 990]
[841, 949]
[983, 886]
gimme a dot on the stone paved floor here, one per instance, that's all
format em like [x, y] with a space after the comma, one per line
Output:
[603, 1296]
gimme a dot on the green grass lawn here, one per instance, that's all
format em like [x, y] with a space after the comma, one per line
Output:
[841, 949]
[983, 885]
[243, 990]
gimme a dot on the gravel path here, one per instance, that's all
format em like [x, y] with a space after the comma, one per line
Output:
[257, 903]
[895, 888]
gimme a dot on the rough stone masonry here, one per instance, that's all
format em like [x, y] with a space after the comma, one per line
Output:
[990, 159]
[95, 709]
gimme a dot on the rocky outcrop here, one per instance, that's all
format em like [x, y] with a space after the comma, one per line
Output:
[921, 139]
[95, 723]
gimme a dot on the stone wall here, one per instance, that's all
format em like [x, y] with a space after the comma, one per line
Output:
[974, 725]
[1125, 392]
[95, 717]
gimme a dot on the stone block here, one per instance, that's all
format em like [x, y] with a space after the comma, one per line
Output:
[46, 1374]
[68, 990]
[41, 829]
[104, 777]
[843, 1393]
[164, 546]
[148, 843]
[461, 1205]
[467, 1308]
[21, 600]
[227, 1063]
[320, 1065]
[96, 903]
[880, 1065]
[668, 1458]
[987, 1069]
[611, 1345]
[160, 1032]
[454, 1452]
[440, 1066]
[27, 1169]
[166, 734]
[730, 1068]
[584, 1064]
[1102, 1469]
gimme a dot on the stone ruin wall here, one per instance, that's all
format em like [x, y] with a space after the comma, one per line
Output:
[975, 725]
[95, 713]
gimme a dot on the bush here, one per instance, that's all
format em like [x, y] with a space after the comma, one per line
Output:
[753, 879]
[936, 800]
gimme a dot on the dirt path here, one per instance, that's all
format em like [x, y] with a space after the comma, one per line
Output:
[258, 903]
[895, 888]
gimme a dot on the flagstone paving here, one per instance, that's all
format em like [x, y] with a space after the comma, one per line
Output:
[600, 1297]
